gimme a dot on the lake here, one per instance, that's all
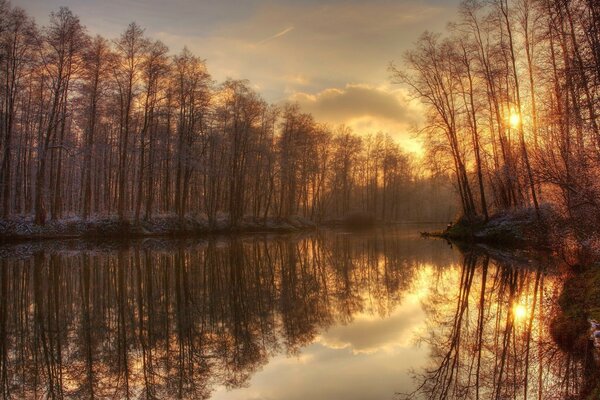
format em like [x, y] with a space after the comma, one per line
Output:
[380, 314]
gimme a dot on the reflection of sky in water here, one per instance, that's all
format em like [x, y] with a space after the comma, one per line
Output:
[369, 358]
[332, 317]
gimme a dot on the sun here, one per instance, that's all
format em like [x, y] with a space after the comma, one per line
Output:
[519, 311]
[514, 119]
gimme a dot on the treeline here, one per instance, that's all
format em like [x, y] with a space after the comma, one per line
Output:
[512, 93]
[92, 126]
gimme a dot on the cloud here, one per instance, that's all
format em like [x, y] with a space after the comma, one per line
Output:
[277, 35]
[353, 101]
[366, 109]
[334, 41]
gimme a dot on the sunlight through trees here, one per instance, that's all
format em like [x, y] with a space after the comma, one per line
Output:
[511, 93]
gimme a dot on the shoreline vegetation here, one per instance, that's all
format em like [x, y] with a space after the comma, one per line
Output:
[25, 228]
[545, 229]
[510, 92]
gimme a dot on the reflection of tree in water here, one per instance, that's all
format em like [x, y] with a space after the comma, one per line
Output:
[152, 322]
[489, 331]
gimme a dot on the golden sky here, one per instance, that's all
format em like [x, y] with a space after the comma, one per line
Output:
[330, 56]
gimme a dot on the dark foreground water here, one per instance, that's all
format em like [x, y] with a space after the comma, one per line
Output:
[332, 315]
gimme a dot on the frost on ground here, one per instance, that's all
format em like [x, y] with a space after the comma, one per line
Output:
[24, 227]
[520, 225]
[524, 226]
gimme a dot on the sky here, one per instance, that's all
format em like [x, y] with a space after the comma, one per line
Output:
[331, 57]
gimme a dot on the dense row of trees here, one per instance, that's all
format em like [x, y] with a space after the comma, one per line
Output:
[512, 93]
[92, 126]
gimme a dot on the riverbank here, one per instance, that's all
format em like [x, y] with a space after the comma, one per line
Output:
[575, 324]
[515, 228]
[24, 228]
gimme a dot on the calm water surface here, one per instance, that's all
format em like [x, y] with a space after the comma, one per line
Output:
[331, 315]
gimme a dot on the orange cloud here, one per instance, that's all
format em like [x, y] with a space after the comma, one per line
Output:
[366, 109]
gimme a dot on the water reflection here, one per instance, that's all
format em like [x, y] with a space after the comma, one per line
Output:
[272, 317]
[178, 319]
[493, 333]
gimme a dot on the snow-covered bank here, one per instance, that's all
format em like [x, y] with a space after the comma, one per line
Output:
[521, 227]
[25, 229]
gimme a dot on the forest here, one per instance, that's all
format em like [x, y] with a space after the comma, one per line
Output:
[95, 127]
[511, 92]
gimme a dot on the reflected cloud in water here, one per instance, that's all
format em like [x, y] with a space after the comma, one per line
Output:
[369, 357]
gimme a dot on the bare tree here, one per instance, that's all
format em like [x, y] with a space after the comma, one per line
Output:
[60, 49]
